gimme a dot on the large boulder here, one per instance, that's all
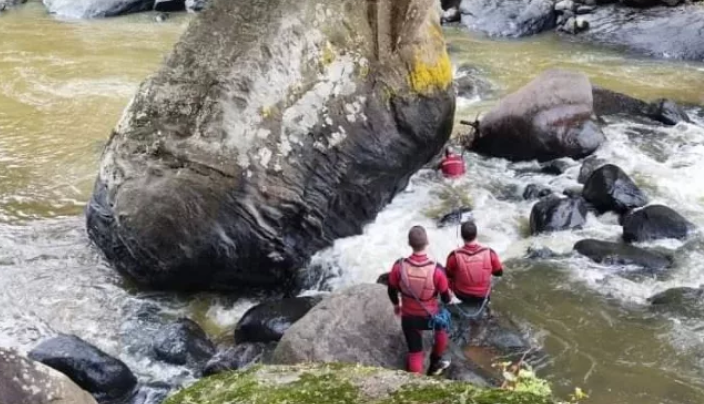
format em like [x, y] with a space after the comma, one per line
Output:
[268, 321]
[357, 325]
[23, 381]
[344, 383]
[607, 102]
[655, 222]
[549, 118]
[96, 8]
[258, 144]
[554, 213]
[676, 33]
[183, 343]
[611, 189]
[105, 377]
[618, 254]
[508, 18]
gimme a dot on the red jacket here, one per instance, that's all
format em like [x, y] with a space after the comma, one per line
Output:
[409, 305]
[476, 285]
[452, 166]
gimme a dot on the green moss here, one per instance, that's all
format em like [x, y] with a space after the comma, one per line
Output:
[447, 393]
[328, 55]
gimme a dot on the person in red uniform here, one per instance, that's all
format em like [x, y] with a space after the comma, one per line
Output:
[452, 165]
[470, 268]
[419, 281]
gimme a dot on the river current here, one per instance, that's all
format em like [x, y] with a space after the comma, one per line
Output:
[63, 85]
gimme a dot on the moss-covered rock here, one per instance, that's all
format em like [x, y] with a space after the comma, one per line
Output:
[339, 384]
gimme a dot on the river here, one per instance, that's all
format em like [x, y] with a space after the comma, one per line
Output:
[64, 84]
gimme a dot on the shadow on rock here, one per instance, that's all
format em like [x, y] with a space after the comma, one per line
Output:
[268, 321]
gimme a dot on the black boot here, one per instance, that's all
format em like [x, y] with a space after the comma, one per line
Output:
[438, 365]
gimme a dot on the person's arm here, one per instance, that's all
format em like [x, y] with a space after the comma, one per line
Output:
[441, 285]
[497, 268]
[451, 267]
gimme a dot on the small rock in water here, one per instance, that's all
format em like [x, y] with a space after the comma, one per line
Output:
[611, 189]
[456, 217]
[267, 322]
[556, 167]
[685, 301]
[564, 5]
[183, 343]
[383, 279]
[451, 15]
[237, 357]
[667, 112]
[554, 213]
[105, 377]
[581, 24]
[153, 393]
[590, 165]
[535, 191]
[608, 253]
[655, 222]
[541, 253]
[161, 17]
[581, 10]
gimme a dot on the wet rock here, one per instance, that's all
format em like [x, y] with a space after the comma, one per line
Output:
[194, 6]
[161, 17]
[508, 18]
[183, 343]
[96, 8]
[667, 112]
[655, 222]
[238, 357]
[105, 377]
[24, 381]
[590, 164]
[153, 393]
[573, 192]
[584, 10]
[169, 6]
[268, 321]
[456, 217]
[221, 176]
[611, 189]
[451, 15]
[541, 253]
[565, 5]
[356, 325]
[549, 118]
[535, 191]
[683, 301]
[383, 279]
[618, 254]
[554, 213]
[556, 167]
[676, 33]
[469, 82]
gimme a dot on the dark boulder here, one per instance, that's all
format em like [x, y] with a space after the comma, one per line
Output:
[684, 301]
[556, 167]
[24, 381]
[183, 343]
[508, 18]
[611, 189]
[268, 321]
[383, 279]
[590, 164]
[238, 357]
[676, 33]
[655, 222]
[169, 6]
[105, 377]
[607, 102]
[456, 217]
[257, 145]
[535, 191]
[554, 213]
[549, 118]
[96, 8]
[573, 192]
[617, 254]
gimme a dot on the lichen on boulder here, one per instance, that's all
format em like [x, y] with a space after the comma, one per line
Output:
[339, 384]
[274, 128]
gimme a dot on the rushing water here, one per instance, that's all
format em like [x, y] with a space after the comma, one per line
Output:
[63, 85]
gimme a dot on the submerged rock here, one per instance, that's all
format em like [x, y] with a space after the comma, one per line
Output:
[256, 145]
[676, 33]
[555, 213]
[456, 217]
[96, 8]
[541, 253]
[238, 357]
[24, 381]
[268, 321]
[183, 343]
[105, 377]
[194, 6]
[556, 167]
[655, 222]
[607, 253]
[611, 189]
[153, 393]
[607, 102]
[508, 18]
[590, 164]
[535, 191]
[341, 383]
[684, 301]
[549, 118]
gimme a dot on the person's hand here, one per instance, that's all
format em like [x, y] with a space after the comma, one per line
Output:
[397, 310]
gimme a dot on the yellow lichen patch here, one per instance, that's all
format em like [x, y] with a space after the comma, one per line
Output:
[425, 78]
[328, 55]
